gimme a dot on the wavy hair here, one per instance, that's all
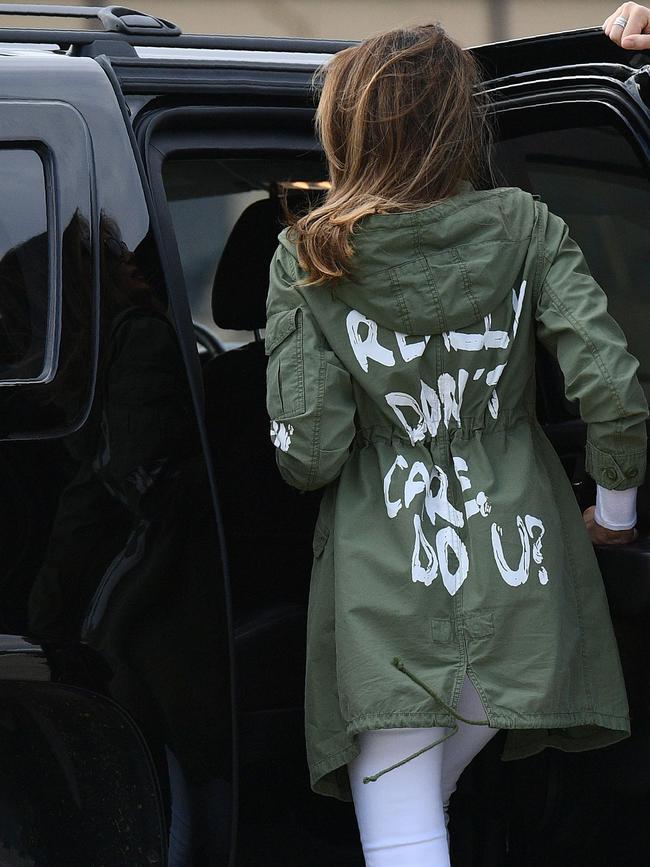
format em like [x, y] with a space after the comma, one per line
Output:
[402, 120]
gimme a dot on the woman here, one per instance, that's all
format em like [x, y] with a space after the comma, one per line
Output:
[454, 589]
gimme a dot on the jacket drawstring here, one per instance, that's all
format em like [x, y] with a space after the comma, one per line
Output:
[397, 662]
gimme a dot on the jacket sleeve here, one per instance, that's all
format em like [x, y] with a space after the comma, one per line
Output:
[309, 395]
[573, 323]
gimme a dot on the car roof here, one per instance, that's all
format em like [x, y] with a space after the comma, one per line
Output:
[509, 57]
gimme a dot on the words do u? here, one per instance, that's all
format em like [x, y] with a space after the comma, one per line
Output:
[428, 560]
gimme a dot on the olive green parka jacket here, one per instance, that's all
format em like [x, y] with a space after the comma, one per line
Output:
[449, 540]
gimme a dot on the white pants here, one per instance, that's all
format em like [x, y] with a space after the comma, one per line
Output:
[402, 815]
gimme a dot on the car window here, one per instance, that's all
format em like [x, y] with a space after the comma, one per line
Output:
[206, 197]
[593, 176]
[27, 339]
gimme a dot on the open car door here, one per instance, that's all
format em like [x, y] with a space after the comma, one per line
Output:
[578, 136]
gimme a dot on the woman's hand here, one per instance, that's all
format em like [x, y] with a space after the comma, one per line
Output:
[602, 536]
[635, 34]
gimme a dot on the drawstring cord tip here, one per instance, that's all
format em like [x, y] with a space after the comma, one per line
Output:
[373, 777]
[399, 665]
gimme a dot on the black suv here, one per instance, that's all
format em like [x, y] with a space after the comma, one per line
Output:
[155, 569]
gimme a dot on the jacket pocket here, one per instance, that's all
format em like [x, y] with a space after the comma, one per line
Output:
[321, 535]
[285, 372]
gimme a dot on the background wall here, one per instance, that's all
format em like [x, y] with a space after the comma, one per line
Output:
[469, 21]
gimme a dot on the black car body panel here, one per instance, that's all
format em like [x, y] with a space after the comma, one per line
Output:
[151, 661]
[90, 509]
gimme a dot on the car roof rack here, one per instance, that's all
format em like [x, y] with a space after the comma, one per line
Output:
[114, 19]
[124, 28]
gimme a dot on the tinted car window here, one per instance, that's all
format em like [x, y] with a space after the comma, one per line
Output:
[206, 197]
[27, 338]
[594, 177]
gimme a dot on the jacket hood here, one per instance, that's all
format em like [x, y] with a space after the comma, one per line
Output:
[440, 268]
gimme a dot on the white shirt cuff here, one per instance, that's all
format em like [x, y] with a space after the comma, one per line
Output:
[615, 510]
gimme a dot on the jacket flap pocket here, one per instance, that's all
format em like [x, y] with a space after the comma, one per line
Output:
[321, 535]
[278, 327]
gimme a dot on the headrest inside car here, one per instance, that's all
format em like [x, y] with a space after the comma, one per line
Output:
[242, 279]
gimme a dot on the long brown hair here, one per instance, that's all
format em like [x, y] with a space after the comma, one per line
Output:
[401, 122]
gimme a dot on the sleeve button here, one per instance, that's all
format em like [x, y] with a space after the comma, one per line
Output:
[610, 474]
[632, 473]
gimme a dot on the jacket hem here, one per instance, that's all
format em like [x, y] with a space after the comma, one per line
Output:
[576, 731]
[513, 721]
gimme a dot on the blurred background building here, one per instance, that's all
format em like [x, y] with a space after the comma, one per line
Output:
[471, 22]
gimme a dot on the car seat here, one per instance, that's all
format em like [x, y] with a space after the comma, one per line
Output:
[268, 524]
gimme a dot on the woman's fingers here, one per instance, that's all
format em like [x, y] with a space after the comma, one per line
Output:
[616, 30]
[609, 22]
[602, 536]
[637, 25]
[636, 32]
[638, 42]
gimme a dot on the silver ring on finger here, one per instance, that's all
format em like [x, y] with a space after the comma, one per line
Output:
[621, 21]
